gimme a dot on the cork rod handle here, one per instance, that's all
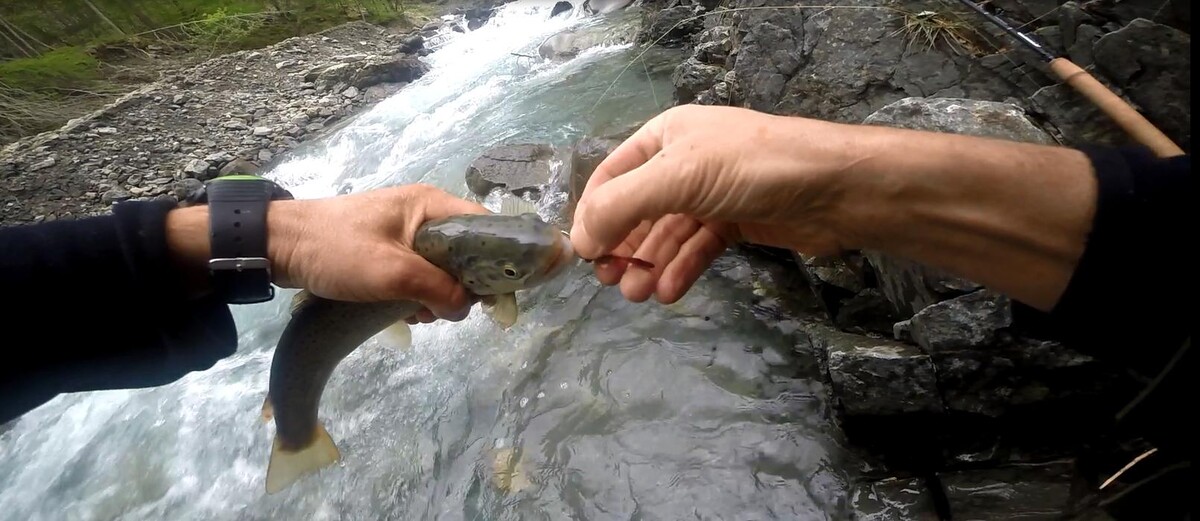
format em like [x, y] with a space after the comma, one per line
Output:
[1124, 115]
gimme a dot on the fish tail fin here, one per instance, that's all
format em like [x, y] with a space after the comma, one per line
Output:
[398, 335]
[268, 410]
[287, 467]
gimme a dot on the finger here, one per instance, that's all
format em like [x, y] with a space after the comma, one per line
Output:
[610, 273]
[659, 248]
[606, 215]
[425, 316]
[438, 203]
[693, 258]
[412, 277]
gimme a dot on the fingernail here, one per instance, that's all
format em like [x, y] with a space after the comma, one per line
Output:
[458, 315]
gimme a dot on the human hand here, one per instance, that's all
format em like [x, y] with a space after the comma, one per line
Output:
[696, 179]
[359, 248]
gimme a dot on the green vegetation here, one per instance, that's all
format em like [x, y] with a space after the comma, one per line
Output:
[60, 57]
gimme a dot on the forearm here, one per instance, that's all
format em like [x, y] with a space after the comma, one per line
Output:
[1012, 216]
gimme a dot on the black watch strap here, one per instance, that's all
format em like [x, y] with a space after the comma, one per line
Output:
[239, 269]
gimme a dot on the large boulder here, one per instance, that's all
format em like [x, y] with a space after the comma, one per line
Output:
[569, 43]
[520, 169]
[606, 6]
[367, 71]
[879, 377]
[1152, 64]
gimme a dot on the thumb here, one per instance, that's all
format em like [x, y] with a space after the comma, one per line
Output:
[610, 211]
[418, 279]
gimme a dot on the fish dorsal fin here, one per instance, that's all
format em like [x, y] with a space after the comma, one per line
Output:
[398, 335]
[516, 206]
[299, 300]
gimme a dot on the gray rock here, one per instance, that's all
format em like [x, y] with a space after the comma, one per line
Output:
[866, 312]
[961, 116]
[196, 168]
[586, 155]
[265, 156]
[517, 168]
[768, 56]
[1032, 491]
[262, 131]
[115, 195]
[911, 286]
[873, 377]
[570, 43]
[714, 45]
[188, 190]
[43, 164]
[972, 321]
[605, 6]
[693, 77]
[240, 166]
[368, 72]
[671, 27]
[1152, 64]
[412, 43]
[106, 131]
[134, 180]
[993, 382]
[560, 7]
[350, 93]
[893, 499]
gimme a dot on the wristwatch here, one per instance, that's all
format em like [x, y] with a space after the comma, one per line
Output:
[239, 270]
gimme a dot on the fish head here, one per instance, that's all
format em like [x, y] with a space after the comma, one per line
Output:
[493, 254]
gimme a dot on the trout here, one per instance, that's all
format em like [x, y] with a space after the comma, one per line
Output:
[492, 255]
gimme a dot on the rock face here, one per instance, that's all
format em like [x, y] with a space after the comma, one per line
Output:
[520, 169]
[237, 111]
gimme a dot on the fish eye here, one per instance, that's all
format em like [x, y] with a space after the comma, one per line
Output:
[510, 271]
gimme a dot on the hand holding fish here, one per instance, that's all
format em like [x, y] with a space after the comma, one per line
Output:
[355, 247]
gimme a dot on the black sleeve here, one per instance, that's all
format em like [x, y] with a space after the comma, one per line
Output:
[1132, 296]
[95, 304]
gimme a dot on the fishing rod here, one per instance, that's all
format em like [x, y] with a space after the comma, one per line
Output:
[1124, 115]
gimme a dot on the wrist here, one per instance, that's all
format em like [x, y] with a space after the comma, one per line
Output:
[188, 245]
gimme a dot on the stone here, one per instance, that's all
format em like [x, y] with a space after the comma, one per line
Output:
[605, 6]
[879, 377]
[412, 43]
[196, 168]
[43, 164]
[972, 321]
[115, 195]
[671, 27]
[961, 116]
[188, 190]
[262, 131]
[1027, 492]
[265, 156]
[693, 77]
[906, 499]
[517, 168]
[560, 7]
[350, 93]
[1151, 63]
[866, 312]
[106, 131]
[239, 166]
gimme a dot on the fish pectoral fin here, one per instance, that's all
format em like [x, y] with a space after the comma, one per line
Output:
[268, 410]
[287, 467]
[398, 335]
[501, 308]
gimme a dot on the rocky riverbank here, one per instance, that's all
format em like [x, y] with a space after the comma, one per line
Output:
[234, 112]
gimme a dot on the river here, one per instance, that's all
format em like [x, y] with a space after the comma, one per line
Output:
[591, 407]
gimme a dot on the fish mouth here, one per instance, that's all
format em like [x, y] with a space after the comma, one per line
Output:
[562, 255]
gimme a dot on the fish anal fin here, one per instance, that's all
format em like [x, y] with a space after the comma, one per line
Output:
[268, 410]
[398, 335]
[299, 300]
[501, 308]
[513, 205]
[287, 467]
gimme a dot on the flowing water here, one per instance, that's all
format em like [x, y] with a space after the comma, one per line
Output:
[590, 408]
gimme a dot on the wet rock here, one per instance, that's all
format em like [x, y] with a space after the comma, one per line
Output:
[605, 6]
[560, 8]
[518, 168]
[996, 381]
[671, 27]
[972, 321]
[412, 43]
[43, 164]
[570, 43]
[367, 72]
[693, 77]
[1152, 64]
[893, 499]
[868, 311]
[875, 377]
[239, 166]
[1019, 492]
[196, 168]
